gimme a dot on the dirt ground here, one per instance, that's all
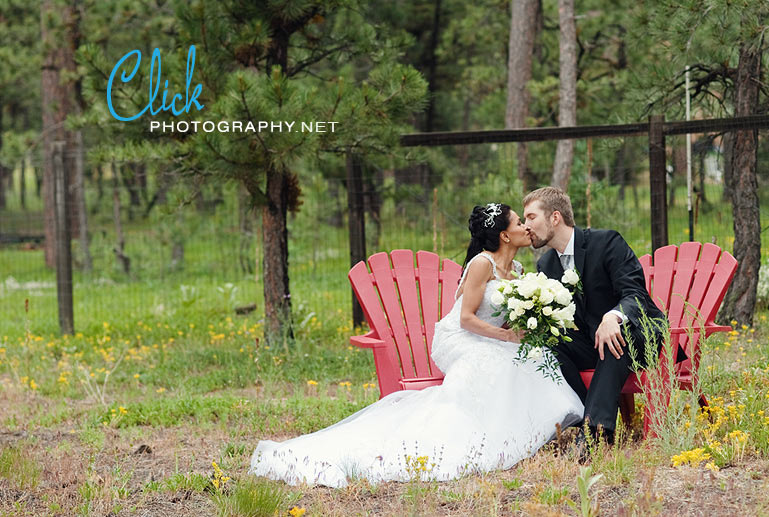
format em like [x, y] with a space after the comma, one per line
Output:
[127, 460]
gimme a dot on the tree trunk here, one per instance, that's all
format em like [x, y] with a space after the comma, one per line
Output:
[277, 297]
[679, 170]
[63, 253]
[57, 103]
[281, 184]
[728, 155]
[567, 100]
[177, 245]
[246, 231]
[463, 151]
[701, 177]
[373, 200]
[99, 184]
[23, 183]
[523, 19]
[141, 182]
[38, 180]
[356, 223]
[129, 175]
[432, 65]
[621, 168]
[2, 168]
[119, 249]
[740, 301]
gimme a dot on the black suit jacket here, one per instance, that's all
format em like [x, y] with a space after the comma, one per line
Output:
[612, 278]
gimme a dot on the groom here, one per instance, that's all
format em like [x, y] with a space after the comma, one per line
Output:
[614, 294]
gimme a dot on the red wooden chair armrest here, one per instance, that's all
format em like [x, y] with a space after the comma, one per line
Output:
[418, 383]
[367, 341]
[709, 329]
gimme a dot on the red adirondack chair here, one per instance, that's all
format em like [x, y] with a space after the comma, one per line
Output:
[402, 303]
[688, 283]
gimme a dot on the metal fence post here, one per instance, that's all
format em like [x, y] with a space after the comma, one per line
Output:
[657, 182]
[62, 245]
[356, 223]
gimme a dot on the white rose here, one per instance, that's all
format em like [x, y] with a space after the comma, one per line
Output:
[570, 277]
[535, 353]
[519, 310]
[512, 303]
[546, 297]
[497, 298]
[563, 296]
[527, 289]
[565, 313]
[528, 305]
[531, 323]
[508, 289]
[554, 331]
[547, 311]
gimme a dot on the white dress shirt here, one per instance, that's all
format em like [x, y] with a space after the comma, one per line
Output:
[569, 253]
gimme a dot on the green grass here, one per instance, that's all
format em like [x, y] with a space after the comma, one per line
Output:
[19, 467]
[254, 498]
[191, 481]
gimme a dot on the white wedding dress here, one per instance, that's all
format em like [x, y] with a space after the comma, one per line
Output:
[489, 413]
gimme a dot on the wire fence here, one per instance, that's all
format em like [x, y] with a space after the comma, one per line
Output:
[203, 250]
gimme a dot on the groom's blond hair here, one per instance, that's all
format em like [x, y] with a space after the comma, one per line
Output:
[552, 199]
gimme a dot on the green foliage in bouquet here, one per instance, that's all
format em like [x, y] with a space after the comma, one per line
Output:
[544, 309]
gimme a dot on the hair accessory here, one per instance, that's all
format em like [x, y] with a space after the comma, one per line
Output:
[492, 211]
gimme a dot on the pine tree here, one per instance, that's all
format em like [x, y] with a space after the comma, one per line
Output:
[276, 61]
[725, 46]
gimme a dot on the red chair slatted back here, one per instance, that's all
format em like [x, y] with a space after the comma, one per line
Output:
[402, 303]
[689, 283]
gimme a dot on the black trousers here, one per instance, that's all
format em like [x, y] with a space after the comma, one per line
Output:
[602, 399]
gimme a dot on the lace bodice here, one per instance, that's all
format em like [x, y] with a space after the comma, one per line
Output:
[486, 309]
[516, 267]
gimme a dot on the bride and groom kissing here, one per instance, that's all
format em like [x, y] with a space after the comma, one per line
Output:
[492, 410]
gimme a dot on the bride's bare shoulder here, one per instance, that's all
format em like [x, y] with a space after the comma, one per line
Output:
[477, 268]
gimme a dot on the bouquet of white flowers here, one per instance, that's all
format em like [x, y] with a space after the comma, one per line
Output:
[542, 307]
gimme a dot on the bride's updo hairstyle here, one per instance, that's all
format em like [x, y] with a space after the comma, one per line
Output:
[486, 223]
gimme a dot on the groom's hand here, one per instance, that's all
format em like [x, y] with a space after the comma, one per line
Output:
[609, 334]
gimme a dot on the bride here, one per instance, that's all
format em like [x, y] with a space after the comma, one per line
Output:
[489, 413]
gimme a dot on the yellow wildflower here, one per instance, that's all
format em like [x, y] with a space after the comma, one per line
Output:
[296, 511]
[739, 436]
[692, 457]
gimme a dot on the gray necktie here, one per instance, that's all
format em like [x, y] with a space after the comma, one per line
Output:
[566, 262]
